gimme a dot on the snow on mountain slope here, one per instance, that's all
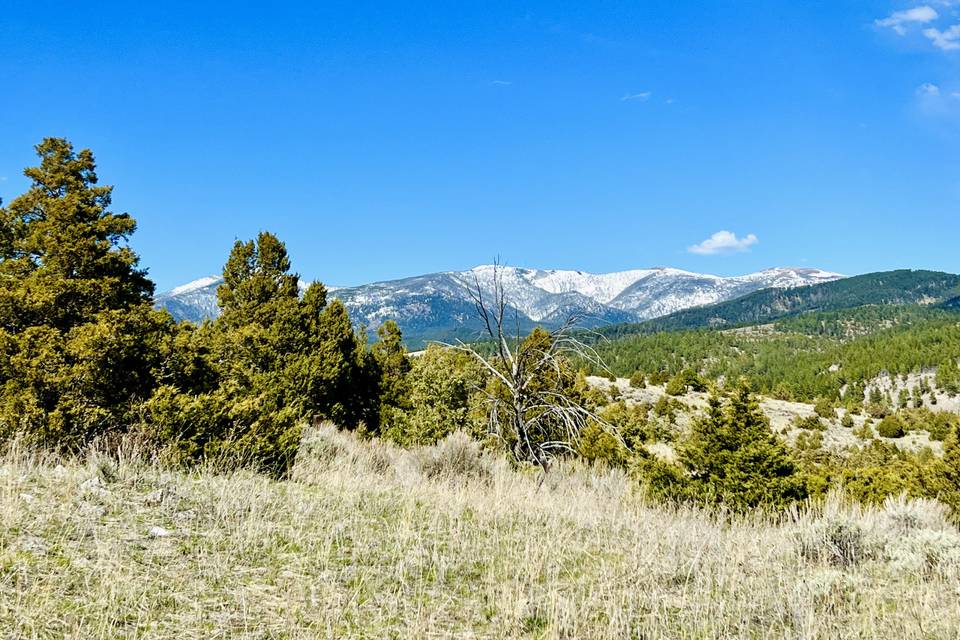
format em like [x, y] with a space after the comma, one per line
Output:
[439, 304]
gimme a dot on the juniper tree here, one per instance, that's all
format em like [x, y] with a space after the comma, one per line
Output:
[276, 363]
[732, 458]
[79, 338]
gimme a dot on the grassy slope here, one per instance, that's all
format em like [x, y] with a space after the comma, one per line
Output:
[360, 544]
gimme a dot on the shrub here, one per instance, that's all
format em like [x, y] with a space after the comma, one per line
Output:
[686, 379]
[630, 429]
[659, 377]
[637, 380]
[810, 423]
[890, 427]
[677, 386]
[937, 423]
[666, 407]
[809, 441]
[824, 408]
[598, 444]
[456, 456]
[865, 432]
[847, 421]
[836, 539]
[443, 392]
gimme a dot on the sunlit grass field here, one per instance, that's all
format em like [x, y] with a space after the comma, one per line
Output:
[369, 541]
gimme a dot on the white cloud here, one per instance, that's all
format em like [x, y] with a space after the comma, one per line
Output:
[899, 20]
[501, 83]
[723, 242]
[643, 96]
[948, 40]
[928, 89]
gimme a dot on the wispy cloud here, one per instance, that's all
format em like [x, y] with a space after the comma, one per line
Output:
[724, 242]
[643, 96]
[501, 83]
[947, 40]
[899, 20]
[934, 101]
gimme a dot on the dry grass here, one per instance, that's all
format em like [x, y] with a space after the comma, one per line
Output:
[368, 541]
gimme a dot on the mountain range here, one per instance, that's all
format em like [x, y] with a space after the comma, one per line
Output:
[438, 306]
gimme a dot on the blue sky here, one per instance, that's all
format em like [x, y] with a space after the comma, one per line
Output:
[387, 139]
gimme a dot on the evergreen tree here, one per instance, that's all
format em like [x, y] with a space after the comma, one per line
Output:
[732, 458]
[78, 335]
[268, 365]
[393, 368]
[948, 479]
[64, 257]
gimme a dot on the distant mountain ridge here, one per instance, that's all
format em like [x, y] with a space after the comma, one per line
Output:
[438, 306]
[900, 287]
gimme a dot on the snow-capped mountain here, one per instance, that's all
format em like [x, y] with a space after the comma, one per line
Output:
[439, 305]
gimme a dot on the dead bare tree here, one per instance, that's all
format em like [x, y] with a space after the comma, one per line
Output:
[530, 409]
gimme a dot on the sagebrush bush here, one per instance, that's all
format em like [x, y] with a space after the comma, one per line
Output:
[456, 456]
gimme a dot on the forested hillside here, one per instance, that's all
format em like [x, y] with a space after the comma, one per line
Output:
[930, 288]
[805, 357]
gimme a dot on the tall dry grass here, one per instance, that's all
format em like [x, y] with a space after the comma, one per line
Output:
[370, 541]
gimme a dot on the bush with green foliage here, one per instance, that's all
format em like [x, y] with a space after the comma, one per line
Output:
[684, 380]
[445, 395]
[631, 428]
[731, 458]
[809, 423]
[890, 427]
[948, 376]
[393, 372]
[825, 409]
[637, 380]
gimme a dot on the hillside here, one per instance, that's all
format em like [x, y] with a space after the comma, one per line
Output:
[369, 541]
[439, 306]
[882, 288]
[802, 357]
